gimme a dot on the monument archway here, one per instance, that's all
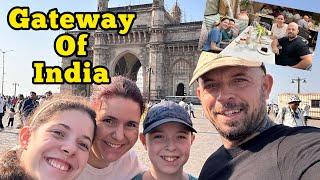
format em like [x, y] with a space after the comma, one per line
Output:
[181, 77]
[127, 65]
[180, 90]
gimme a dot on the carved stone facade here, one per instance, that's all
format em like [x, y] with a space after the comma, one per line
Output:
[165, 50]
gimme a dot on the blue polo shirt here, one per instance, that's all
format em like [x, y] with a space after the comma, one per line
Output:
[215, 35]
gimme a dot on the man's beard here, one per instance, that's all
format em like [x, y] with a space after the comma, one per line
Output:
[247, 126]
[292, 36]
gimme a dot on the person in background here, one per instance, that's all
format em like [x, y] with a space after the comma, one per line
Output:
[119, 106]
[268, 108]
[191, 109]
[28, 106]
[275, 109]
[304, 22]
[311, 23]
[296, 17]
[243, 20]
[2, 111]
[18, 111]
[14, 101]
[183, 104]
[291, 115]
[279, 29]
[231, 32]
[55, 145]
[167, 136]
[306, 111]
[11, 117]
[288, 15]
[266, 9]
[46, 96]
[212, 44]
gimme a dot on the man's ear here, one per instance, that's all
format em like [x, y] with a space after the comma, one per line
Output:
[198, 92]
[192, 138]
[143, 140]
[24, 136]
[267, 85]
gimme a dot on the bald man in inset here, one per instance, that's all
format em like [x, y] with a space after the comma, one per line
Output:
[292, 50]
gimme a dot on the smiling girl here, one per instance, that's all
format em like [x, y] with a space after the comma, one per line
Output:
[56, 143]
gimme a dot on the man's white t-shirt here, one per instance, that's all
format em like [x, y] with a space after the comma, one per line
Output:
[288, 118]
[124, 168]
[306, 110]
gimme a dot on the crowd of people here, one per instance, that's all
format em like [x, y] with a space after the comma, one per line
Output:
[19, 108]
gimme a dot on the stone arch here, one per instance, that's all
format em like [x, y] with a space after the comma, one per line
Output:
[127, 64]
[180, 90]
[180, 71]
[181, 67]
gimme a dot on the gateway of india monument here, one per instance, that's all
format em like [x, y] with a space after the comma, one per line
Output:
[159, 53]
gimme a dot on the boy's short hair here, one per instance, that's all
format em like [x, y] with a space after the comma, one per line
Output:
[166, 111]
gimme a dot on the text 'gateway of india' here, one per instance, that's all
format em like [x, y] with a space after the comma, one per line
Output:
[162, 49]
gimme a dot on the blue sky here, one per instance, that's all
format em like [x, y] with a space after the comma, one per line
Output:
[30, 45]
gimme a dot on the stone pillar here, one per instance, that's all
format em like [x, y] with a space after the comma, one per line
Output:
[157, 14]
[102, 5]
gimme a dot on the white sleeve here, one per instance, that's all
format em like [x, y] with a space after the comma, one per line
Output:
[278, 119]
[273, 28]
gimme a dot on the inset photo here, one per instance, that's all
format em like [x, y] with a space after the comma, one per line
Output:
[261, 32]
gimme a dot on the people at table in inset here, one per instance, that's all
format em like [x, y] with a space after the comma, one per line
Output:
[279, 29]
[231, 32]
[292, 50]
[212, 43]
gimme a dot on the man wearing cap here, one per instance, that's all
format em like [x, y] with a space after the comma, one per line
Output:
[291, 115]
[233, 94]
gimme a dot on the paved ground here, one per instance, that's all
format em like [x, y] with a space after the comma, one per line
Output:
[207, 141]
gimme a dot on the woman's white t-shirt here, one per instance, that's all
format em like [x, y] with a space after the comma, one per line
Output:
[126, 167]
